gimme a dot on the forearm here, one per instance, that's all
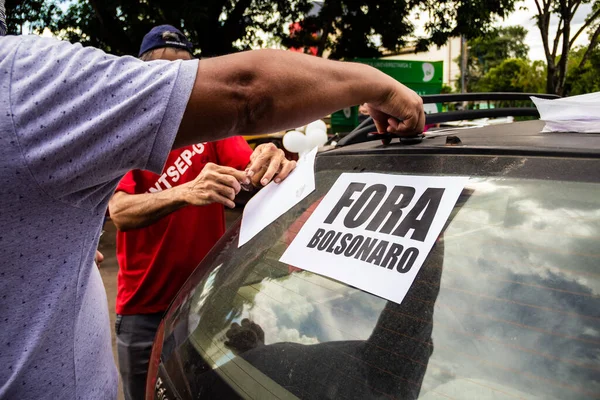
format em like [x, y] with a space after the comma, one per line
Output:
[271, 90]
[136, 211]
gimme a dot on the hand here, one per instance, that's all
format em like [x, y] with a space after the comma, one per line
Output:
[98, 258]
[245, 337]
[266, 162]
[215, 184]
[403, 103]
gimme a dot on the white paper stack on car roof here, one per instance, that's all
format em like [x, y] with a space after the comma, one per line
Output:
[570, 114]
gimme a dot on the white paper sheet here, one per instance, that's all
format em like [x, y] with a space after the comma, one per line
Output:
[275, 199]
[374, 231]
[570, 114]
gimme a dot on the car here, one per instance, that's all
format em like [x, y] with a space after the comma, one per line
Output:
[506, 305]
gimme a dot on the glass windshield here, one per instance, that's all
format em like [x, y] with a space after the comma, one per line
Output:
[506, 306]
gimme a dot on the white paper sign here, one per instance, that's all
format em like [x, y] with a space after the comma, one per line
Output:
[277, 198]
[570, 114]
[374, 231]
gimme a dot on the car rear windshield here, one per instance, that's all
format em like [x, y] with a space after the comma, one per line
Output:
[506, 305]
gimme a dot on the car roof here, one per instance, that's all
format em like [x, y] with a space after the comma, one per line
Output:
[522, 138]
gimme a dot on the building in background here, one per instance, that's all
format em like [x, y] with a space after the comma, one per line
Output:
[448, 53]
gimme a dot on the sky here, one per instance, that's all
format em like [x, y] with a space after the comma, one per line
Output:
[525, 18]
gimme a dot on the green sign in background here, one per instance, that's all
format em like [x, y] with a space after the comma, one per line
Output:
[423, 77]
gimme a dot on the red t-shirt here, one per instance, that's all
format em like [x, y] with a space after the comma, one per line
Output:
[155, 261]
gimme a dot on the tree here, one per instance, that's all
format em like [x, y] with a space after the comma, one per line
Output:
[583, 67]
[515, 75]
[490, 50]
[366, 28]
[557, 51]
[216, 27]
[39, 13]
[346, 28]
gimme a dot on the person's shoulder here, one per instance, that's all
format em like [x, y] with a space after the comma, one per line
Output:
[31, 42]
[50, 47]
[11, 39]
[9, 43]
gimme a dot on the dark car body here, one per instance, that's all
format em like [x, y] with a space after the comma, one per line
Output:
[507, 304]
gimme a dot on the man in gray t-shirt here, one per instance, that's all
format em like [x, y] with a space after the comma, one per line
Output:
[73, 121]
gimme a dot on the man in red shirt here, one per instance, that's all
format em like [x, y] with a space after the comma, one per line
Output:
[167, 223]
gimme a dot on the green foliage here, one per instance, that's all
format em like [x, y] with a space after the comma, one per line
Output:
[490, 50]
[583, 78]
[365, 28]
[515, 75]
[446, 89]
[470, 18]
[357, 28]
[215, 26]
[347, 28]
[38, 13]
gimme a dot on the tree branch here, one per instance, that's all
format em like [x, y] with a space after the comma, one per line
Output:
[564, 57]
[575, 6]
[586, 25]
[559, 32]
[543, 17]
[328, 19]
[537, 5]
[593, 43]
[235, 17]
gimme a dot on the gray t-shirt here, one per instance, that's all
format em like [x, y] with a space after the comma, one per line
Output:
[73, 121]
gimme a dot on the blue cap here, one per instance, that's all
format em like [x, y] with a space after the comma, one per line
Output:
[165, 36]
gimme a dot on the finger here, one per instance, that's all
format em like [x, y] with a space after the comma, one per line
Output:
[246, 323]
[423, 119]
[421, 124]
[99, 257]
[257, 151]
[415, 126]
[380, 119]
[381, 126]
[216, 197]
[267, 152]
[232, 330]
[259, 332]
[257, 177]
[393, 124]
[259, 167]
[406, 126]
[274, 167]
[224, 190]
[229, 181]
[240, 176]
[287, 167]
[415, 122]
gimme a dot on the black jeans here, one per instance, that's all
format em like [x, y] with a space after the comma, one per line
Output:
[135, 335]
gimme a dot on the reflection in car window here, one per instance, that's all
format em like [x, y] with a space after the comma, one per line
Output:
[506, 306]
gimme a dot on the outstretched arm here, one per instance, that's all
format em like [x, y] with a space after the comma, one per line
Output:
[266, 91]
